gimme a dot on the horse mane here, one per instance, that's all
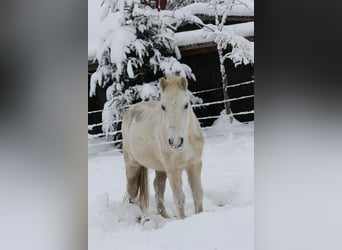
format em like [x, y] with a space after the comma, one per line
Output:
[174, 84]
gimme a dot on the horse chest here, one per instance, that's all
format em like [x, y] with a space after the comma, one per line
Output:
[179, 160]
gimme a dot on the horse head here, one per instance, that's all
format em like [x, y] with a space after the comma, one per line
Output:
[175, 106]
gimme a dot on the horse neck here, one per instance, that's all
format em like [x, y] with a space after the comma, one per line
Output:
[194, 127]
[191, 123]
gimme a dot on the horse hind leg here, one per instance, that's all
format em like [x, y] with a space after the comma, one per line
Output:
[137, 184]
[132, 175]
[159, 187]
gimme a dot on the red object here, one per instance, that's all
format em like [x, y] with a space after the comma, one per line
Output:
[159, 4]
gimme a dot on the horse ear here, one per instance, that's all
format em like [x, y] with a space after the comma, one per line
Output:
[183, 83]
[162, 82]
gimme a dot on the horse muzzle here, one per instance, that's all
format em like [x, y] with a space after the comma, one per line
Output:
[176, 144]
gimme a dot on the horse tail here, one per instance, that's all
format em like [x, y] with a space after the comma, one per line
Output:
[143, 188]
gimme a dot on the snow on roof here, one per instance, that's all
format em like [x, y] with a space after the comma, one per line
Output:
[203, 36]
[191, 37]
[97, 29]
[246, 8]
[92, 48]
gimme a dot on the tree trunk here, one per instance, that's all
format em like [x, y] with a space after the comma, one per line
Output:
[222, 68]
[224, 84]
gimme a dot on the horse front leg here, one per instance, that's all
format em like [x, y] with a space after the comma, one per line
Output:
[194, 177]
[175, 179]
[159, 187]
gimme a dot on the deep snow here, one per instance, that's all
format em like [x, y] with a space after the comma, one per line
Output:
[227, 220]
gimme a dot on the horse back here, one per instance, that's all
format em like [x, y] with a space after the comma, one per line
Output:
[138, 112]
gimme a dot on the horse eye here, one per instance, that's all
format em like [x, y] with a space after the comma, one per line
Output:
[186, 106]
[163, 107]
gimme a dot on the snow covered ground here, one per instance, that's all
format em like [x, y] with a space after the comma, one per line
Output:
[227, 220]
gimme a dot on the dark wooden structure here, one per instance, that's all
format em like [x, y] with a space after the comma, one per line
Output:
[203, 60]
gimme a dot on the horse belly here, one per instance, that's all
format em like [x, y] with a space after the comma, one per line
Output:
[149, 161]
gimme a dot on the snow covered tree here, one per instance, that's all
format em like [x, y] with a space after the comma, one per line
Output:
[174, 4]
[242, 50]
[142, 44]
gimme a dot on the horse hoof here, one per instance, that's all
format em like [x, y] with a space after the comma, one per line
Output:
[165, 215]
[141, 219]
[181, 215]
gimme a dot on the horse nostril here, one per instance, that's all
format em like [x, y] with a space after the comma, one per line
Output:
[181, 141]
[170, 142]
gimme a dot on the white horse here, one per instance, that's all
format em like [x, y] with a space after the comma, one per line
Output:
[166, 136]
